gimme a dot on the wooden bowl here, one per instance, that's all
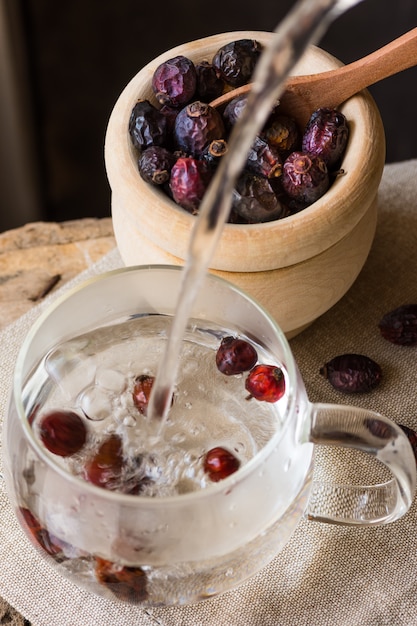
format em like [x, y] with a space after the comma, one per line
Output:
[297, 267]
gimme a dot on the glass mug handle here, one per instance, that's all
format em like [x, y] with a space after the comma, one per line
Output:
[368, 431]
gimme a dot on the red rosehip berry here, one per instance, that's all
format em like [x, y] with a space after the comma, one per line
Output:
[142, 392]
[235, 356]
[105, 467]
[266, 383]
[62, 432]
[127, 583]
[219, 463]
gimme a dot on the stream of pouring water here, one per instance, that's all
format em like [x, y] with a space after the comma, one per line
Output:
[304, 25]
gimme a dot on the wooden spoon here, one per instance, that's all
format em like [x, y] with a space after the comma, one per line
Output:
[305, 94]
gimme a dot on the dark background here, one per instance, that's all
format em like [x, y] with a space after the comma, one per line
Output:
[81, 55]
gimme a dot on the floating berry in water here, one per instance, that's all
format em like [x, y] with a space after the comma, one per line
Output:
[263, 160]
[147, 126]
[266, 383]
[412, 438]
[326, 135]
[400, 325]
[255, 199]
[127, 583]
[235, 356]
[142, 391]
[196, 126]
[39, 534]
[235, 61]
[209, 85]
[352, 373]
[155, 164]
[305, 177]
[105, 467]
[219, 463]
[174, 81]
[62, 432]
[190, 178]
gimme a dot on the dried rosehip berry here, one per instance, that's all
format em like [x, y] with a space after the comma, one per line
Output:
[412, 438]
[400, 325]
[142, 391]
[326, 135]
[39, 534]
[305, 177]
[235, 356]
[155, 164]
[255, 199]
[219, 463]
[190, 178]
[62, 432]
[196, 126]
[105, 467]
[352, 373]
[213, 153]
[235, 61]
[147, 126]
[127, 583]
[263, 160]
[209, 85]
[282, 133]
[174, 81]
[233, 110]
[266, 383]
[170, 114]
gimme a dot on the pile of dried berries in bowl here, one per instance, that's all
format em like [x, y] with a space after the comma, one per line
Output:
[181, 140]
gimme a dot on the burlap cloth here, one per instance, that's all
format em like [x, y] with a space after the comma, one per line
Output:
[326, 574]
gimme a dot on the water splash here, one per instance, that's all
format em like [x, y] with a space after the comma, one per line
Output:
[304, 25]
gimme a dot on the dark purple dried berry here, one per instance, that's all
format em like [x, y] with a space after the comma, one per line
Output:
[235, 356]
[209, 85]
[412, 438]
[263, 160]
[254, 200]
[400, 325]
[282, 132]
[352, 373]
[326, 135]
[233, 110]
[155, 164]
[174, 81]
[305, 177]
[196, 126]
[147, 126]
[171, 115]
[190, 178]
[214, 151]
[235, 61]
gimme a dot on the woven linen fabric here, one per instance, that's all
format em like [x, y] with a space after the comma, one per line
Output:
[326, 574]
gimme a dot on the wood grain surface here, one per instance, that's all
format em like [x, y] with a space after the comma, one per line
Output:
[41, 256]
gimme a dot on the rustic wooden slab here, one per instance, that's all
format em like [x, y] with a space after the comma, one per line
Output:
[41, 256]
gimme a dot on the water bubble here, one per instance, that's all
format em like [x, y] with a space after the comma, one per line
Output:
[129, 421]
[68, 370]
[110, 379]
[95, 404]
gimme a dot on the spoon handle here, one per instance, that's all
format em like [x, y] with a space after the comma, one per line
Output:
[340, 84]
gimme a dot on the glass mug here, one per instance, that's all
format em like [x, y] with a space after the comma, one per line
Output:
[156, 546]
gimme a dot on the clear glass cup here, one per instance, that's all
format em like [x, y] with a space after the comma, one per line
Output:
[176, 549]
